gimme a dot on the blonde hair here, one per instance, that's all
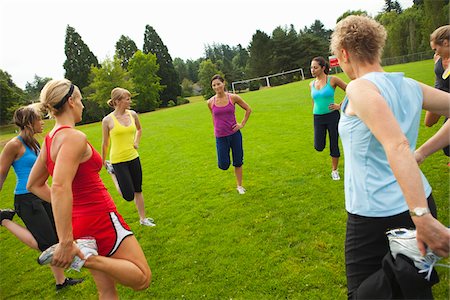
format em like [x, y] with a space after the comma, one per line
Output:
[117, 94]
[362, 36]
[53, 94]
[440, 35]
[24, 118]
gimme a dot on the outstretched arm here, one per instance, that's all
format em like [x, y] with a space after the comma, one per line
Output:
[438, 141]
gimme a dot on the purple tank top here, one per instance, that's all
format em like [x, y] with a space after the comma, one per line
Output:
[224, 118]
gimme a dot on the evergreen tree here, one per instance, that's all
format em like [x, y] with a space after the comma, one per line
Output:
[167, 73]
[33, 89]
[260, 50]
[143, 70]
[181, 68]
[192, 68]
[79, 59]
[285, 49]
[125, 49]
[11, 98]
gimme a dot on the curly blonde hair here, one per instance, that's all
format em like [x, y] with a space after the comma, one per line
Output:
[117, 94]
[362, 36]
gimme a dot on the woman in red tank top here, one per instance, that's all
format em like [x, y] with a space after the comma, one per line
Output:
[81, 204]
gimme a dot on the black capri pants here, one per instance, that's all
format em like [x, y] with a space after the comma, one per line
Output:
[37, 215]
[129, 177]
[366, 249]
[322, 124]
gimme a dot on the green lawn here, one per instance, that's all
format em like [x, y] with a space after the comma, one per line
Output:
[283, 239]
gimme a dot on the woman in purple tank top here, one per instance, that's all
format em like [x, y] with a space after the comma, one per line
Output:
[227, 129]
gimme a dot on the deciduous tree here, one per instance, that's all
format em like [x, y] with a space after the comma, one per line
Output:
[143, 70]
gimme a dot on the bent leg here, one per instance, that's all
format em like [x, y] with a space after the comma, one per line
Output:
[22, 234]
[127, 266]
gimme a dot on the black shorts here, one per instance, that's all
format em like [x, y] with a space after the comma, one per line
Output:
[37, 215]
[129, 177]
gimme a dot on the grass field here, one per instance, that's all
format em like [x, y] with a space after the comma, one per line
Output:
[283, 239]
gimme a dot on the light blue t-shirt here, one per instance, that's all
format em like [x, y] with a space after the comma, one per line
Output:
[22, 168]
[371, 188]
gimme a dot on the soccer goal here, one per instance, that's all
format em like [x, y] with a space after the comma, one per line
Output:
[256, 83]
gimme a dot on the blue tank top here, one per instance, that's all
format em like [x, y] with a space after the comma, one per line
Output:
[322, 98]
[22, 168]
[371, 189]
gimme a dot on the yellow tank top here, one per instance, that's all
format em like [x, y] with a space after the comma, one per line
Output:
[122, 141]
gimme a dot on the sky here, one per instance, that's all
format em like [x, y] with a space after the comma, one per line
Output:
[32, 32]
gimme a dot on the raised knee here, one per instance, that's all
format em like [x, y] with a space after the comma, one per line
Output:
[144, 282]
[224, 166]
[319, 149]
[128, 197]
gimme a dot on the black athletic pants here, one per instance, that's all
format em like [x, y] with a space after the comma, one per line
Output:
[371, 271]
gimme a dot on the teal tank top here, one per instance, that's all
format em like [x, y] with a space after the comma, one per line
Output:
[322, 98]
[371, 189]
[22, 168]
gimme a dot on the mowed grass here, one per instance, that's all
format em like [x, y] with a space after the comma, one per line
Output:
[283, 239]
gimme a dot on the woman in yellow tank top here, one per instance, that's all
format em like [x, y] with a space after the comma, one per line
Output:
[123, 129]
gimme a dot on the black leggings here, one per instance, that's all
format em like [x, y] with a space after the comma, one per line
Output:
[366, 246]
[129, 177]
[37, 215]
[322, 124]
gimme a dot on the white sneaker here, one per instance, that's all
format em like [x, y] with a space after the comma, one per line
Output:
[403, 241]
[147, 222]
[109, 167]
[335, 175]
[241, 190]
[88, 247]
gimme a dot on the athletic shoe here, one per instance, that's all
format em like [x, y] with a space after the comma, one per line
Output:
[88, 247]
[241, 190]
[68, 282]
[403, 241]
[335, 175]
[109, 167]
[147, 222]
[6, 214]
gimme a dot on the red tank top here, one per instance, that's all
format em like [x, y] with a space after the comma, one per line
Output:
[90, 196]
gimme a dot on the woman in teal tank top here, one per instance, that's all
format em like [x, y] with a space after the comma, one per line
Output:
[326, 112]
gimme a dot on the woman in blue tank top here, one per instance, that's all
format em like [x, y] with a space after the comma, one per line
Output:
[326, 112]
[21, 153]
[384, 188]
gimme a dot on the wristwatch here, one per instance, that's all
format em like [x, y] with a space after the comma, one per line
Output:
[419, 211]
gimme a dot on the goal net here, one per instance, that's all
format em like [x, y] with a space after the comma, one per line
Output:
[268, 80]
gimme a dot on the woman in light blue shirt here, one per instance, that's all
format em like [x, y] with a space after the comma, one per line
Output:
[384, 188]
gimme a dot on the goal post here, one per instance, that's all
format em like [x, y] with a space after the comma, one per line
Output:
[266, 78]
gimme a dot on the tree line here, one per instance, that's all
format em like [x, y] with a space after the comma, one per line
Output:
[155, 80]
